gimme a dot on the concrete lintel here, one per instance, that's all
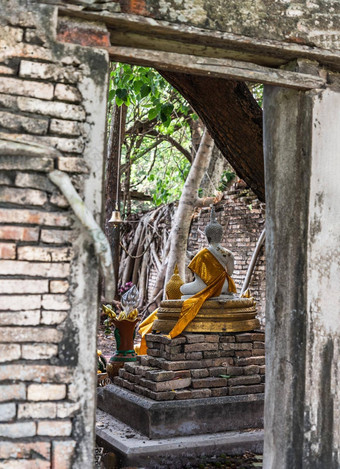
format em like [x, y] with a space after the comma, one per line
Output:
[221, 68]
[134, 449]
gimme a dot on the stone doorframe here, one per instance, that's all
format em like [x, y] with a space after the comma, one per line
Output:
[302, 172]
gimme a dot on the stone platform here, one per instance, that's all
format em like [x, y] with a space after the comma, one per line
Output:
[182, 418]
[136, 450]
[195, 366]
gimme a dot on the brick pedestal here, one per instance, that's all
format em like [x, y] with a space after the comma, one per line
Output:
[195, 366]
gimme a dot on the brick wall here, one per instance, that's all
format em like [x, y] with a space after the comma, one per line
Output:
[52, 115]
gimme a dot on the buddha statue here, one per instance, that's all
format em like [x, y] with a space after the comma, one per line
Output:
[210, 302]
[200, 263]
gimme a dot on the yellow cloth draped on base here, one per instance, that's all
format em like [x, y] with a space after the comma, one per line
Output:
[213, 274]
[144, 328]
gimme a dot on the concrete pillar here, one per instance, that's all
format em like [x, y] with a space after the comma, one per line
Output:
[302, 171]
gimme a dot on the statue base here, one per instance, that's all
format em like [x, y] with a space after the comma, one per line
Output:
[216, 315]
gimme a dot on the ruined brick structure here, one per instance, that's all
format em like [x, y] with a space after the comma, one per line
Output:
[194, 366]
[54, 59]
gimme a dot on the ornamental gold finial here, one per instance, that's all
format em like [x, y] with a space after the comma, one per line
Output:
[172, 288]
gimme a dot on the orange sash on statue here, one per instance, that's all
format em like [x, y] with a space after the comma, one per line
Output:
[213, 274]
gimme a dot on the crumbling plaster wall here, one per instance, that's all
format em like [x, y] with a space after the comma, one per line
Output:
[52, 116]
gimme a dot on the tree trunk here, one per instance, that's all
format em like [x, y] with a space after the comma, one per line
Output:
[233, 118]
[212, 177]
[181, 224]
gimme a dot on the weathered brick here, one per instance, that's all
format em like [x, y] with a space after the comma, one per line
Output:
[29, 51]
[237, 346]
[5, 179]
[211, 338]
[212, 354]
[262, 369]
[35, 217]
[46, 392]
[200, 373]
[250, 361]
[39, 351]
[157, 396]
[19, 233]
[258, 352]
[218, 392]
[165, 385]
[4, 70]
[168, 348]
[65, 127]
[44, 254]
[193, 356]
[55, 302]
[54, 428]
[45, 71]
[26, 464]
[173, 356]
[212, 382]
[259, 345]
[239, 390]
[7, 251]
[242, 380]
[9, 352]
[59, 200]
[227, 338]
[235, 370]
[67, 409]
[10, 392]
[33, 180]
[52, 108]
[67, 93]
[19, 87]
[18, 302]
[53, 317]
[36, 269]
[69, 145]
[23, 286]
[19, 123]
[72, 165]
[132, 378]
[20, 318]
[200, 347]
[17, 430]
[217, 371]
[62, 453]
[18, 450]
[249, 337]
[194, 338]
[7, 412]
[57, 236]
[192, 394]
[30, 334]
[37, 373]
[155, 353]
[243, 353]
[21, 163]
[59, 286]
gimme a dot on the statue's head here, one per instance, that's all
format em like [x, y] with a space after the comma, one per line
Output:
[213, 230]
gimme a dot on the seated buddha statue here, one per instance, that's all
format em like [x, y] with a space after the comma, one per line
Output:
[201, 263]
[212, 268]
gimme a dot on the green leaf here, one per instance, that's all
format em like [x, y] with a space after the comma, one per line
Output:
[152, 113]
[122, 93]
[145, 90]
[224, 376]
[119, 101]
